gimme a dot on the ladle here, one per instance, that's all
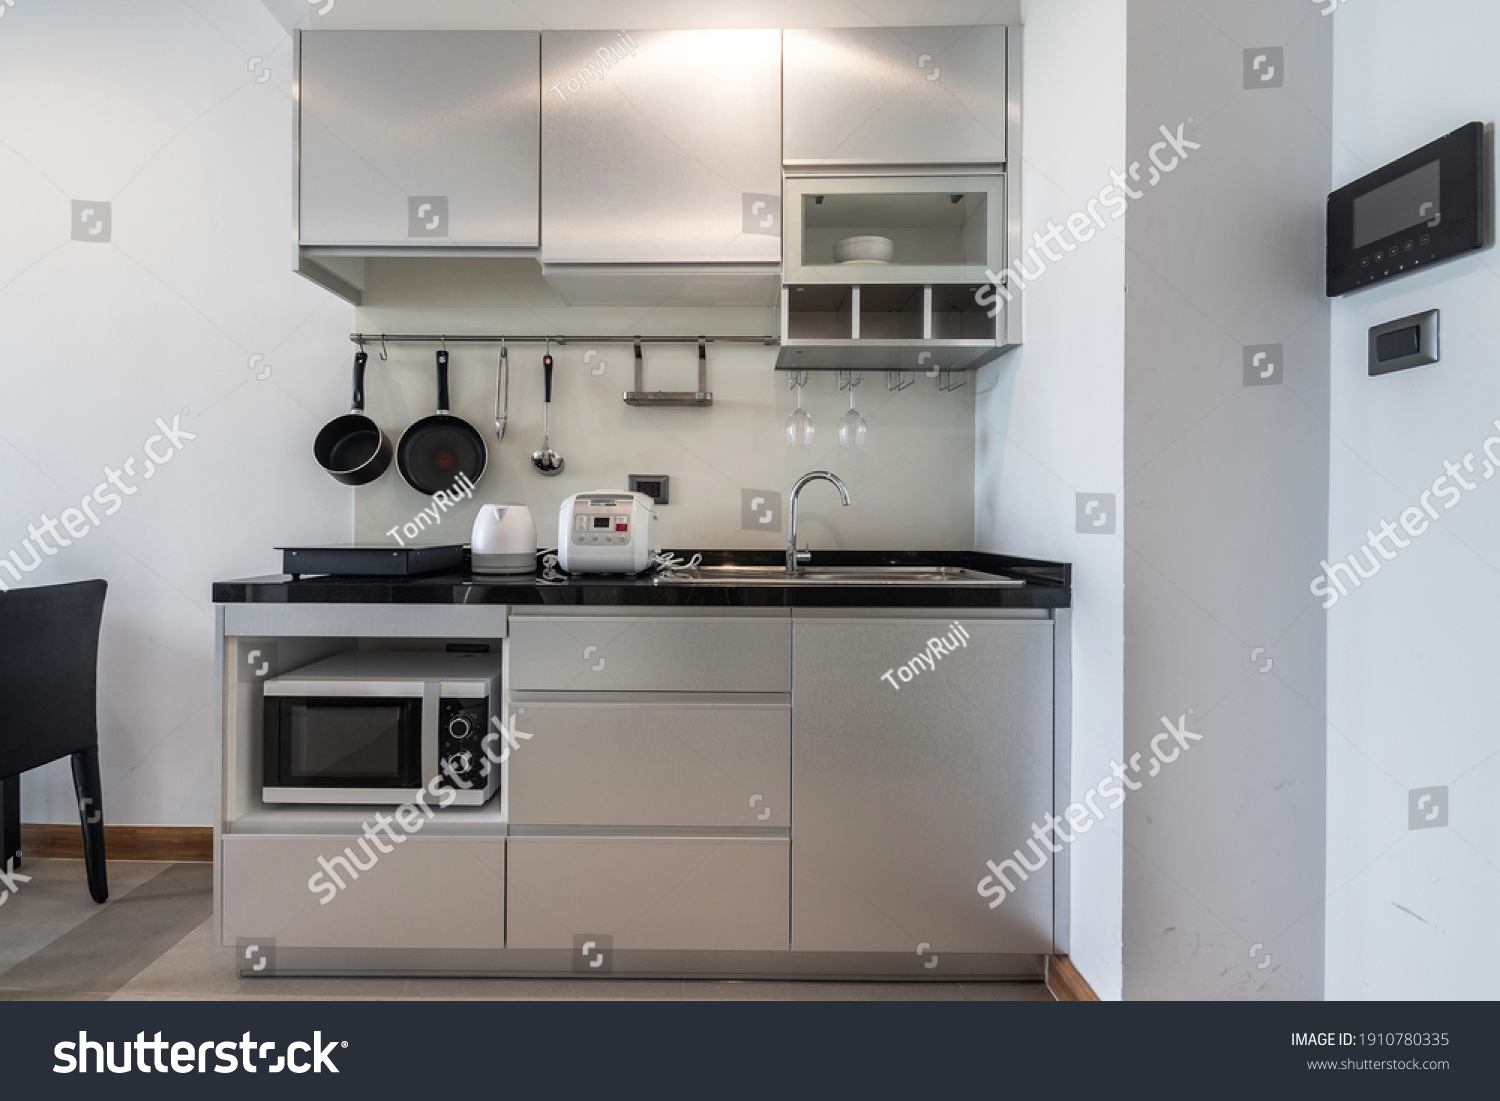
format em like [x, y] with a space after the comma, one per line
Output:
[547, 462]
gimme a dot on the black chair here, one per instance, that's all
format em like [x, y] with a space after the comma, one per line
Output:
[49, 661]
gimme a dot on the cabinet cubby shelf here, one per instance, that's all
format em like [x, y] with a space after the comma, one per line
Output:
[889, 326]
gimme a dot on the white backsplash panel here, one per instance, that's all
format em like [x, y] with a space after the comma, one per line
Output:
[912, 484]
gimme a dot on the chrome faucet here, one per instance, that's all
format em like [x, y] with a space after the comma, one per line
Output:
[795, 557]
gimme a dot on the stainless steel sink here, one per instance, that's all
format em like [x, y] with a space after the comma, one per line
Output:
[837, 575]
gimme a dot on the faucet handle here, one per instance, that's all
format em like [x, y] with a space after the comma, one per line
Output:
[804, 552]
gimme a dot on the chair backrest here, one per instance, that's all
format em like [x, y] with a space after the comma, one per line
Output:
[49, 658]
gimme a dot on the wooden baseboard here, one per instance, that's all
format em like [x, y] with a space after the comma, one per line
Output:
[178, 843]
[1066, 984]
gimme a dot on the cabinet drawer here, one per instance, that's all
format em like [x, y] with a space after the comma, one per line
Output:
[650, 893]
[366, 620]
[651, 653]
[611, 761]
[425, 893]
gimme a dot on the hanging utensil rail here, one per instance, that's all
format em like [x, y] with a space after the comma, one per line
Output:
[488, 338]
[639, 396]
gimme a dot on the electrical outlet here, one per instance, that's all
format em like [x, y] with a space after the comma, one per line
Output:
[655, 486]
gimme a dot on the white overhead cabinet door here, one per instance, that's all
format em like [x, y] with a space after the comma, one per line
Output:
[895, 95]
[661, 147]
[426, 139]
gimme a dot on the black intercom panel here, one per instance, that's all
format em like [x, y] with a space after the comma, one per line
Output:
[1430, 205]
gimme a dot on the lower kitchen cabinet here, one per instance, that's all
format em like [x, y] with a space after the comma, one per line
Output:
[663, 893]
[425, 893]
[639, 653]
[900, 794]
[652, 759]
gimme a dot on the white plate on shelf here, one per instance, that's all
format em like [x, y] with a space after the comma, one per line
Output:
[864, 250]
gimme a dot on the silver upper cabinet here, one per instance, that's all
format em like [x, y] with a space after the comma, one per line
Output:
[895, 95]
[425, 139]
[661, 147]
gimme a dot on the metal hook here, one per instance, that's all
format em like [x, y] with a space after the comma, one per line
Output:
[444, 341]
[797, 379]
[848, 380]
[383, 357]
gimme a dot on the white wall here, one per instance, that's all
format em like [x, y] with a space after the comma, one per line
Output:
[1049, 415]
[152, 106]
[1412, 689]
[1226, 500]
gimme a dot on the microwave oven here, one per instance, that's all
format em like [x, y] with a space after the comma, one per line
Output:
[375, 727]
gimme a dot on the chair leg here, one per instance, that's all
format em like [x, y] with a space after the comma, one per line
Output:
[10, 820]
[91, 813]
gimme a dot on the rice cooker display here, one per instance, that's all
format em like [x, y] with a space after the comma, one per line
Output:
[611, 526]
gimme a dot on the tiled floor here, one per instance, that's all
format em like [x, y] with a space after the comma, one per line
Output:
[154, 940]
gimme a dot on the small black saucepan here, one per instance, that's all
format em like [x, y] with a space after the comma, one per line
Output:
[432, 453]
[353, 448]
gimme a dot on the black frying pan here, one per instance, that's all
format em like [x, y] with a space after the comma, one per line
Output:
[433, 452]
[353, 448]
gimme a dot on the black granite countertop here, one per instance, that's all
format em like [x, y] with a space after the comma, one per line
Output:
[1048, 585]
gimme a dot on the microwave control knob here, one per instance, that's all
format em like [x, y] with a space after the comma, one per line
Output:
[460, 762]
[461, 727]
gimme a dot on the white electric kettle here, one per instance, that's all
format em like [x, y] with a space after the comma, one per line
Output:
[503, 540]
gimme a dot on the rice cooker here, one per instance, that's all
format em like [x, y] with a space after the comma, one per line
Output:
[605, 532]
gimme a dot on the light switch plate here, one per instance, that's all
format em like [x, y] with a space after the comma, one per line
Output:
[656, 486]
[1403, 343]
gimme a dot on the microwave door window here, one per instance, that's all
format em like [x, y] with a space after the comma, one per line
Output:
[341, 743]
